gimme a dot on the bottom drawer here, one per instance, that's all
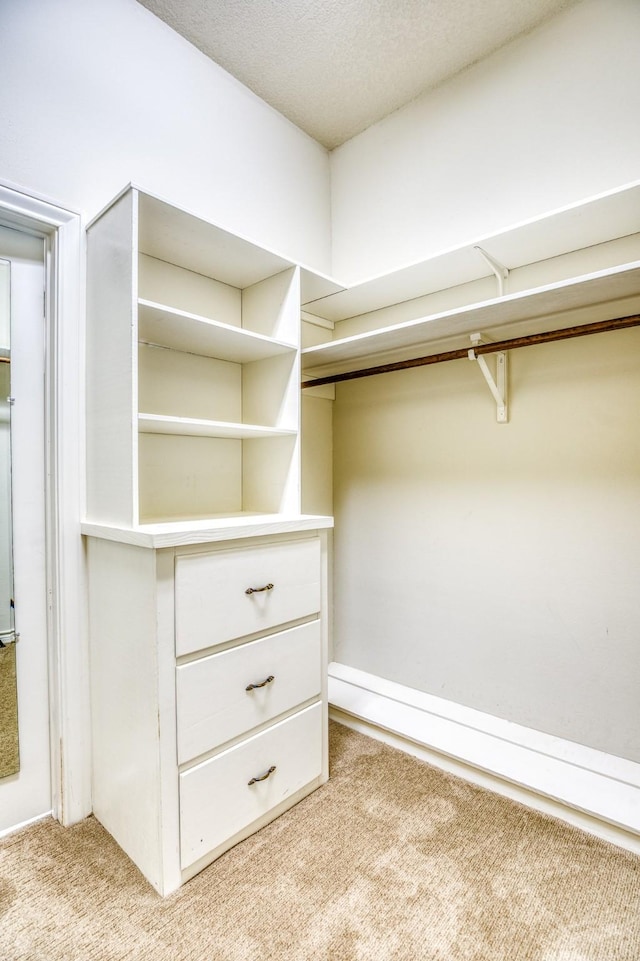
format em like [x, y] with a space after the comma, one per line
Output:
[216, 798]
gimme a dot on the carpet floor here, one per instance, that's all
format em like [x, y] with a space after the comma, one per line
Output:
[392, 860]
[9, 753]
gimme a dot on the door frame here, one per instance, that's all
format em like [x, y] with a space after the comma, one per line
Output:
[67, 623]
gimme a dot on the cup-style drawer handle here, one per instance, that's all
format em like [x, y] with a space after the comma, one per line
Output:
[254, 780]
[258, 590]
[267, 680]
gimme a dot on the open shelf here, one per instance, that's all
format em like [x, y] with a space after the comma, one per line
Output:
[170, 327]
[596, 220]
[213, 470]
[600, 288]
[196, 427]
[182, 238]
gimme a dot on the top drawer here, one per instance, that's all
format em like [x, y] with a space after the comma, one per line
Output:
[212, 603]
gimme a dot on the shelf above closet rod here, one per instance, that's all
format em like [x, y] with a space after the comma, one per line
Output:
[462, 353]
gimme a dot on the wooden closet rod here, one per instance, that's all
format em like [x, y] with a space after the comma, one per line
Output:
[565, 333]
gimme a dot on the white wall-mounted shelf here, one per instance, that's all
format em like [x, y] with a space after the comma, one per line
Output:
[594, 221]
[606, 288]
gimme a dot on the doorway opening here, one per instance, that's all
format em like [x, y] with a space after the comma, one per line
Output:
[59, 232]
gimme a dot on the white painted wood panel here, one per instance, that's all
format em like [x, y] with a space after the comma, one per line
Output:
[112, 366]
[197, 531]
[171, 327]
[124, 700]
[185, 239]
[315, 285]
[216, 799]
[212, 605]
[214, 705]
[272, 307]
[271, 475]
[270, 392]
[197, 427]
[317, 451]
[184, 477]
[177, 384]
[186, 291]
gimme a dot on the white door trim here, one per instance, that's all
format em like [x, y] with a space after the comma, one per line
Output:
[64, 434]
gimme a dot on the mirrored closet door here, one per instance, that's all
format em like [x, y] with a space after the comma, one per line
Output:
[9, 746]
[25, 753]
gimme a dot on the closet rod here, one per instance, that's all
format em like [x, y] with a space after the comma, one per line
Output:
[462, 353]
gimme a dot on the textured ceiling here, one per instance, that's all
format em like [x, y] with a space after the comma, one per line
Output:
[334, 67]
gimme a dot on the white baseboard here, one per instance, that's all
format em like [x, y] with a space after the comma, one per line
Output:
[592, 790]
[24, 824]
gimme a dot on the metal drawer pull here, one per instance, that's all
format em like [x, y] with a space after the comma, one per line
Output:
[258, 590]
[254, 780]
[268, 680]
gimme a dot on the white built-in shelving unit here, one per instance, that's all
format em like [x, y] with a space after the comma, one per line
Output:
[193, 370]
[208, 586]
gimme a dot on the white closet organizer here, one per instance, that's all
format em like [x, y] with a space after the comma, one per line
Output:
[582, 261]
[208, 586]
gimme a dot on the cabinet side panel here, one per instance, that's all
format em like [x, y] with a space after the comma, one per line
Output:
[111, 376]
[272, 306]
[317, 455]
[271, 391]
[271, 475]
[124, 700]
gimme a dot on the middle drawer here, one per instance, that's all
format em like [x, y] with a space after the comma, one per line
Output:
[214, 704]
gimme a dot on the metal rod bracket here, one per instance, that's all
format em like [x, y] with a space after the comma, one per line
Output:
[498, 387]
[501, 272]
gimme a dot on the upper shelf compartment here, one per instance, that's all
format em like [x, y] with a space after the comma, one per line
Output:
[186, 240]
[181, 237]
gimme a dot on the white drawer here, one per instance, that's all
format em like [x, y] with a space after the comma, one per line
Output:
[217, 800]
[212, 603]
[214, 704]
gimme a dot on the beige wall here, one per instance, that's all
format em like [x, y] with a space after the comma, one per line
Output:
[498, 566]
[98, 93]
[547, 121]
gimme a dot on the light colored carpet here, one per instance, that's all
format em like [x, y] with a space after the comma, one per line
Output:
[9, 752]
[391, 861]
